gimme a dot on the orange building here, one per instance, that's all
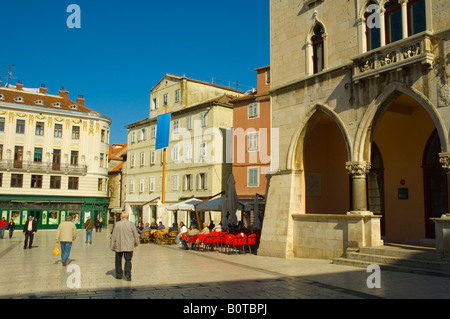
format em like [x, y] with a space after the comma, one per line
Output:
[251, 140]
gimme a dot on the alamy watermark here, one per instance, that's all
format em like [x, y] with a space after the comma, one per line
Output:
[74, 279]
[74, 19]
[374, 280]
[373, 20]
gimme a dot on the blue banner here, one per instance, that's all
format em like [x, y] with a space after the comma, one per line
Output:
[163, 131]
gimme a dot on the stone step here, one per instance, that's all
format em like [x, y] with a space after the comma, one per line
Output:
[410, 252]
[365, 264]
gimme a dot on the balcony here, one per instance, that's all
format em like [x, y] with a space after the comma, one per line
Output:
[394, 56]
[42, 168]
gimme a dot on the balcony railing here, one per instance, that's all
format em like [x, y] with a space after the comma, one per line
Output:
[395, 55]
[43, 167]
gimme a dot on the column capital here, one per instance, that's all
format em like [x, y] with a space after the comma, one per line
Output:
[358, 168]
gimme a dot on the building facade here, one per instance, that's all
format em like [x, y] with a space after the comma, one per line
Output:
[360, 95]
[117, 180]
[251, 141]
[196, 164]
[53, 157]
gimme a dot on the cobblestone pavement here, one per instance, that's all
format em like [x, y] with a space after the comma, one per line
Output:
[170, 272]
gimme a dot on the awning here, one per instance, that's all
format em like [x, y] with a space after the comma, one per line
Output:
[187, 205]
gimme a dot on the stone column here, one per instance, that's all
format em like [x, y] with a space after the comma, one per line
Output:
[359, 171]
[382, 27]
[445, 161]
[404, 4]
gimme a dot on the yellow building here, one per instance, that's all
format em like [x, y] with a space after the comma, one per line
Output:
[360, 96]
[196, 163]
[53, 157]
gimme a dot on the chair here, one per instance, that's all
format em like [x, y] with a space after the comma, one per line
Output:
[159, 236]
[192, 240]
[238, 242]
[201, 240]
[145, 237]
[208, 241]
[171, 237]
[251, 241]
[229, 241]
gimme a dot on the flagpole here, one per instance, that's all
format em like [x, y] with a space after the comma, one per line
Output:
[164, 168]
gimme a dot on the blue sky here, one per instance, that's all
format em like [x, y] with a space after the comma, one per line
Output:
[124, 48]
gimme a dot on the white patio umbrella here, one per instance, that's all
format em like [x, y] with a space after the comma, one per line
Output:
[187, 205]
[232, 200]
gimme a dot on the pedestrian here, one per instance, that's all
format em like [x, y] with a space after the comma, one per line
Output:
[3, 225]
[65, 236]
[123, 240]
[96, 222]
[100, 224]
[29, 230]
[89, 226]
[11, 227]
[183, 230]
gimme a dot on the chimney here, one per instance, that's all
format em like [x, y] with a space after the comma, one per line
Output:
[42, 89]
[80, 100]
[19, 86]
[64, 93]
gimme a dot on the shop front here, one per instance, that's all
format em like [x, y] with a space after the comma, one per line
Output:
[50, 211]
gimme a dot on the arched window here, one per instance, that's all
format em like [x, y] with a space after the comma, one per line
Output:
[393, 21]
[317, 41]
[373, 38]
[416, 17]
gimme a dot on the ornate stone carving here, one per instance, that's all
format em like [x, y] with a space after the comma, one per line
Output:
[366, 65]
[444, 159]
[411, 50]
[387, 58]
[358, 168]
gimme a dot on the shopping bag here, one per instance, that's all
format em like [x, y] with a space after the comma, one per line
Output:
[56, 252]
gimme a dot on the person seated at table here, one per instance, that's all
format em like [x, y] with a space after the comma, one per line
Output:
[140, 227]
[161, 226]
[146, 228]
[205, 229]
[173, 228]
[192, 232]
[183, 230]
[218, 228]
[154, 226]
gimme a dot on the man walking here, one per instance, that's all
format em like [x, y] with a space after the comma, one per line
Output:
[29, 229]
[89, 226]
[123, 240]
[66, 234]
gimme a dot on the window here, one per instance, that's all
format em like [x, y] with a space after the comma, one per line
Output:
[16, 180]
[267, 74]
[202, 150]
[253, 110]
[103, 136]
[20, 127]
[131, 188]
[175, 182]
[142, 158]
[36, 181]
[37, 158]
[318, 48]
[189, 122]
[2, 124]
[141, 185]
[188, 182]
[73, 183]
[133, 136]
[252, 142]
[175, 153]
[253, 177]
[177, 96]
[393, 21]
[203, 119]
[152, 157]
[188, 152]
[58, 130]
[55, 182]
[18, 156]
[100, 184]
[176, 126]
[102, 159]
[74, 158]
[416, 17]
[1, 151]
[154, 104]
[166, 99]
[152, 183]
[75, 132]
[40, 128]
[1, 179]
[132, 160]
[153, 131]
[202, 181]
[373, 35]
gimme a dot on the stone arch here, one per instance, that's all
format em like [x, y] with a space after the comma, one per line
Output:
[377, 108]
[295, 151]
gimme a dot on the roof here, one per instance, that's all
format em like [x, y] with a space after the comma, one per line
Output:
[177, 77]
[27, 97]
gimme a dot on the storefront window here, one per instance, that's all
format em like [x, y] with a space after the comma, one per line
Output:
[53, 217]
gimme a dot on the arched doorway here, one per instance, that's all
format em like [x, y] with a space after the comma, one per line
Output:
[401, 132]
[327, 189]
[435, 184]
[375, 186]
